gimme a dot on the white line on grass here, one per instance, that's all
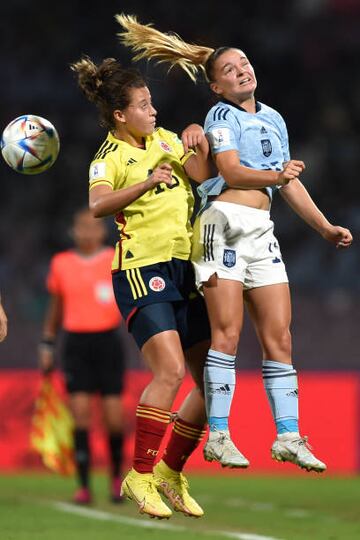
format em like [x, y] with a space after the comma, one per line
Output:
[108, 516]
[238, 502]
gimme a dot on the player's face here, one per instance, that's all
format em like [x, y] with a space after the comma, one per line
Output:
[88, 232]
[234, 76]
[139, 117]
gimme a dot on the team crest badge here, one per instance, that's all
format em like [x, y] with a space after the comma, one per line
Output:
[157, 284]
[266, 147]
[165, 146]
[229, 258]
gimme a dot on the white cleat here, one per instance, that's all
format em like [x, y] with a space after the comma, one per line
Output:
[295, 449]
[220, 447]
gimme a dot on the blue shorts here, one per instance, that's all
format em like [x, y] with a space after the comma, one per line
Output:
[161, 297]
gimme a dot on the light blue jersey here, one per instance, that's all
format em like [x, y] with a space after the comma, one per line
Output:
[261, 140]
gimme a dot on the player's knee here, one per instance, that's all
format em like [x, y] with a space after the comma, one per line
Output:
[278, 345]
[172, 377]
[226, 341]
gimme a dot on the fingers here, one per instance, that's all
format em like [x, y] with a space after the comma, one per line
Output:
[298, 163]
[46, 362]
[341, 237]
[165, 167]
[192, 137]
[191, 140]
[163, 173]
[294, 168]
[185, 141]
[345, 240]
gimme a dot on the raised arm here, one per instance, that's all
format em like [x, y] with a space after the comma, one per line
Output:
[298, 198]
[199, 166]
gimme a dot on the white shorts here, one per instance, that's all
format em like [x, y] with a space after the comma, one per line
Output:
[237, 242]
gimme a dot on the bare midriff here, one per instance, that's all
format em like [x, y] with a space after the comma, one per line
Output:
[255, 198]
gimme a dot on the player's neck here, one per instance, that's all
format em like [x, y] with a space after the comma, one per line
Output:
[137, 141]
[249, 105]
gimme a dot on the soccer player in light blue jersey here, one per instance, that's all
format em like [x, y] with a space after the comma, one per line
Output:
[235, 253]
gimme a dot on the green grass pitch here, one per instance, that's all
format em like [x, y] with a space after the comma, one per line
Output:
[246, 507]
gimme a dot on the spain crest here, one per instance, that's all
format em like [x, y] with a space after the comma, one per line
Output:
[229, 258]
[266, 147]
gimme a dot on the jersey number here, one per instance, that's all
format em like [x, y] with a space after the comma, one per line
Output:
[160, 189]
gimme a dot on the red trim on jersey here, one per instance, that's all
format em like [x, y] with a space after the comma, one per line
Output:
[120, 220]
[130, 316]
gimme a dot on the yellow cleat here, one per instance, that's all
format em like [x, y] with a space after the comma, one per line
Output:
[174, 486]
[141, 488]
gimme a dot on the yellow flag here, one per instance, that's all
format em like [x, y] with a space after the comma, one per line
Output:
[52, 430]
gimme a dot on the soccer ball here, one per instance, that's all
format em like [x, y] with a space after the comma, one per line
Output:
[30, 144]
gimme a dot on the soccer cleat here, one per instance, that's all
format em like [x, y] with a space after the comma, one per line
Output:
[115, 496]
[220, 447]
[295, 449]
[82, 496]
[175, 487]
[141, 488]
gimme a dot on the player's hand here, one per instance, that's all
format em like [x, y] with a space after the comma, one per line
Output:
[341, 237]
[192, 136]
[3, 324]
[46, 359]
[292, 169]
[161, 174]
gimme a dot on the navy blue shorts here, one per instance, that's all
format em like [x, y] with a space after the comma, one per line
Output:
[93, 362]
[160, 297]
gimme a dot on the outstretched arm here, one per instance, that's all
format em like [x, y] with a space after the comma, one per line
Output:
[298, 198]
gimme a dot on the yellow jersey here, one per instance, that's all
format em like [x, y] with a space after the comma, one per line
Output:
[155, 227]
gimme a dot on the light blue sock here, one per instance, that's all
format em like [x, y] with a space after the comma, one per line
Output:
[281, 387]
[219, 384]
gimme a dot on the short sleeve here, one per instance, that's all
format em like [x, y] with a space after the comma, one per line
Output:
[53, 280]
[102, 172]
[222, 130]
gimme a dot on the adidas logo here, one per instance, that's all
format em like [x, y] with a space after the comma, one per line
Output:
[131, 161]
[263, 130]
[293, 393]
[225, 390]
[129, 255]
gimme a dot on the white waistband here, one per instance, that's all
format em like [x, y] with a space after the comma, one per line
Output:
[240, 208]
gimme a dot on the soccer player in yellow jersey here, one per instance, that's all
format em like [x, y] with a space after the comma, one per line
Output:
[141, 174]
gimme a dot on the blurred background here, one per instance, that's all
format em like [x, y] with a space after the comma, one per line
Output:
[305, 53]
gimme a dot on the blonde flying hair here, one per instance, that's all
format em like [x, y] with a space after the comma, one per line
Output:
[169, 48]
